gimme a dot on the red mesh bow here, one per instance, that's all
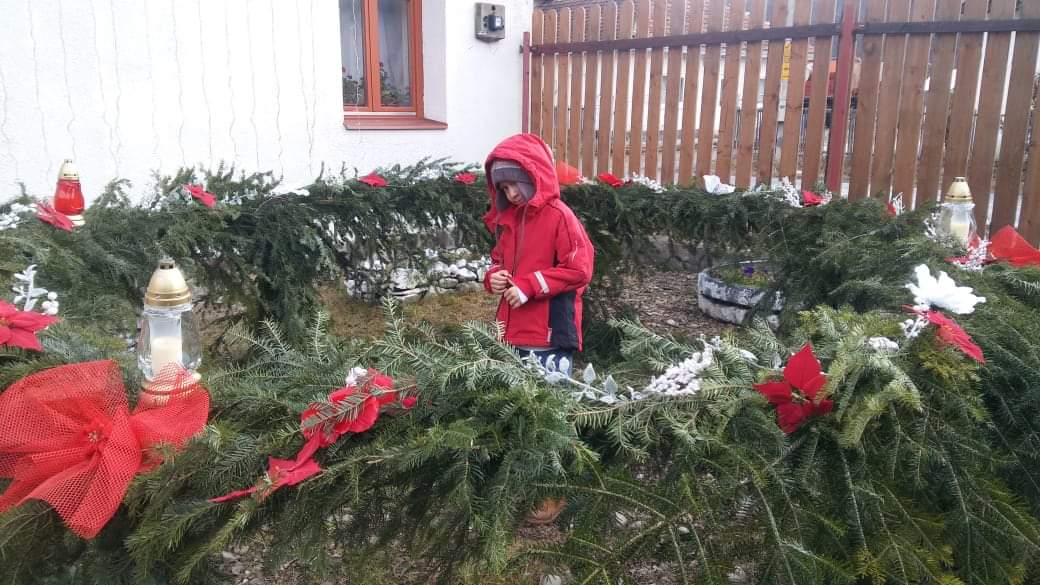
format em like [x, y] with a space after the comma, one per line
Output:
[1008, 244]
[67, 437]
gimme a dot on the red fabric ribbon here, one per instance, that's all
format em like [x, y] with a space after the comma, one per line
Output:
[322, 426]
[68, 438]
[1008, 244]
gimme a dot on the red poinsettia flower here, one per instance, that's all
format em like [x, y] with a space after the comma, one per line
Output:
[18, 328]
[48, 214]
[610, 179]
[952, 333]
[373, 179]
[201, 195]
[409, 402]
[567, 174]
[465, 178]
[809, 199]
[802, 373]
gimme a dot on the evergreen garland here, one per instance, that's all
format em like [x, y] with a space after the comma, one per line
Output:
[925, 472]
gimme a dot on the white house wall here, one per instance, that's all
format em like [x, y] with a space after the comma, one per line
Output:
[128, 88]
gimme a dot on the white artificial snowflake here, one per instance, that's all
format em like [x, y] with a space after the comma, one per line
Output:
[28, 293]
[646, 182]
[913, 327]
[682, 379]
[882, 344]
[787, 191]
[942, 292]
[354, 375]
[714, 185]
[976, 258]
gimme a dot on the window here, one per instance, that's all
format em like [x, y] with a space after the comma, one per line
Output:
[382, 64]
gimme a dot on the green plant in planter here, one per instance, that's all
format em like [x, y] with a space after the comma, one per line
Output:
[745, 274]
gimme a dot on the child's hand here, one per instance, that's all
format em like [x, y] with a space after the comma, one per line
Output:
[514, 297]
[500, 281]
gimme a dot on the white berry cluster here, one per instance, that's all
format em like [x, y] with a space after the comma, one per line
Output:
[50, 306]
[788, 192]
[682, 379]
[11, 219]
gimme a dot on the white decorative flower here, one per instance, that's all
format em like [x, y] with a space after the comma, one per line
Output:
[942, 292]
[714, 185]
[882, 344]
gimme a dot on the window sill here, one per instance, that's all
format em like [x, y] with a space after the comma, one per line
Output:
[391, 123]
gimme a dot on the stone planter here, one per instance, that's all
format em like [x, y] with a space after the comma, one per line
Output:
[733, 303]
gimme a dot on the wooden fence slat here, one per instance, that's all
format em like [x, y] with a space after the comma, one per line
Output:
[549, 80]
[911, 104]
[984, 147]
[730, 81]
[937, 106]
[1029, 222]
[536, 74]
[653, 110]
[709, 91]
[818, 96]
[888, 101]
[1016, 112]
[676, 22]
[771, 98]
[588, 115]
[635, 154]
[749, 100]
[694, 24]
[624, 59]
[606, 82]
[563, 64]
[577, 76]
[867, 102]
[792, 132]
[962, 108]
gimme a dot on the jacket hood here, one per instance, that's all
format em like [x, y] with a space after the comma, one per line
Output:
[534, 155]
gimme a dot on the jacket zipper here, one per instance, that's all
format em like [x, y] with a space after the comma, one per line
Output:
[517, 246]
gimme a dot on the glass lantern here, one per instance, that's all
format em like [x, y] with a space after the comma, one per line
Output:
[169, 333]
[957, 217]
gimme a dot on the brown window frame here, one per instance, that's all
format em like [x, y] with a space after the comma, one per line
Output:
[376, 116]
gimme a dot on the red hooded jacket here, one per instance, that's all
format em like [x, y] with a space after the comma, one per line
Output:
[544, 246]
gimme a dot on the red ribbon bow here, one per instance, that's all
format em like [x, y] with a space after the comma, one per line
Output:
[68, 438]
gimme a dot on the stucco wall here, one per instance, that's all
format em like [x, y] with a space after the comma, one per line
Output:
[128, 87]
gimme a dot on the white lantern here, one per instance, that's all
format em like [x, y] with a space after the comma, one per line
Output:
[169, 334]
[957, 217]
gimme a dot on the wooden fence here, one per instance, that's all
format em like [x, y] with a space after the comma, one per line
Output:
[908, 93]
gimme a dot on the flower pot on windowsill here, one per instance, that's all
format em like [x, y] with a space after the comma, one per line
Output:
[731, 292]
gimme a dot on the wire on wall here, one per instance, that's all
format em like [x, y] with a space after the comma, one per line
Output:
[277, 95]
[36, 83]
[231, 86]
[180, 81]
[202, 78]
[68, 86]
[101, 87]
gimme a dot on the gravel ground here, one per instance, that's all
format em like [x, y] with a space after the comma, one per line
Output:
[665, 302]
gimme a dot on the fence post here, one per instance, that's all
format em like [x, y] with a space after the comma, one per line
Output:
[525, 98]
[842, 91]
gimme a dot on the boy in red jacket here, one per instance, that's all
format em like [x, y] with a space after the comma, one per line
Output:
[542, 260]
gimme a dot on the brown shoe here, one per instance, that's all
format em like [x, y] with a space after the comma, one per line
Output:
[547, 512]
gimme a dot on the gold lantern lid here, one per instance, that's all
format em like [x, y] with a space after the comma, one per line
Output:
[68, 171]
[167, 288]
[959, 192]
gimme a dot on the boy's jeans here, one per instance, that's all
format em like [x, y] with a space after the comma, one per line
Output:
[544, 355]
